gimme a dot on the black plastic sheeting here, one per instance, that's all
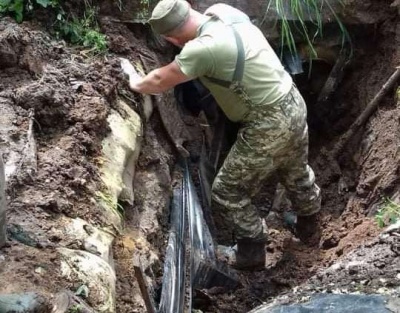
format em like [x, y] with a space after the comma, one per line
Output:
[202, 246]
[204, 270]
[335, 303]
[173, 286]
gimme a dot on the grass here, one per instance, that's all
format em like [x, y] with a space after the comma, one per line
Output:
[76, 308]
[108, 201]
[302, 10]
[389, 213]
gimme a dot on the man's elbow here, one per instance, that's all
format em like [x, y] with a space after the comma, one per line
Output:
[159, 82]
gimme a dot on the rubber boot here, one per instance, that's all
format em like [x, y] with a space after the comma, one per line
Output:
[247, 254]
[250, 254]
[307, 228]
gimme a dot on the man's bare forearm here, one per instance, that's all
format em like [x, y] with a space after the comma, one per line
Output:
[158, 80]
[149, 84]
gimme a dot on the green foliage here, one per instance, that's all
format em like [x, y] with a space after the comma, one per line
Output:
[81, 31]
[308, 14]
[389, 213]
[46, 3]
[84, 31]
[106, 199]
[76, 308]
[12, 7]
[17, 8]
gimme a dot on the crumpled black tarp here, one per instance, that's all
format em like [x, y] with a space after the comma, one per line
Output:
[173, 286]
[205, 271]
[335, 303]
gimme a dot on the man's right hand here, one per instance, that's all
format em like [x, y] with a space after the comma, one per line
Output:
[130, 71]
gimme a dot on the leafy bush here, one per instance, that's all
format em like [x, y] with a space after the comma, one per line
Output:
[84, 31]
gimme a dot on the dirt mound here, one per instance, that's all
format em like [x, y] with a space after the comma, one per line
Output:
[54, 107]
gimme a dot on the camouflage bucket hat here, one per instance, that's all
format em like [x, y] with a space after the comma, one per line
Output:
[169, 15]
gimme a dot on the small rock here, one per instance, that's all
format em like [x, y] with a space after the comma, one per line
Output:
[39, 270]
[336, 266]
[353, 269]
[382, 290]
[361, 253]
[379, 264]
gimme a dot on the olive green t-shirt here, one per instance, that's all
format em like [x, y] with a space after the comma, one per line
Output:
[213, 53]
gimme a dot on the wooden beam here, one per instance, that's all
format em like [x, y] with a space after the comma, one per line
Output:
[144, 289]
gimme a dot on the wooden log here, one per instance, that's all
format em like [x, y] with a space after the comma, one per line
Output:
[144, 289]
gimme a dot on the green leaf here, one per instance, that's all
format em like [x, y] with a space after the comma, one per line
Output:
[19, 17]
[5, 3]
[18, 8]
[43, 3]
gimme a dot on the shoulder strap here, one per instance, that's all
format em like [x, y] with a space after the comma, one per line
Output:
[231, 20]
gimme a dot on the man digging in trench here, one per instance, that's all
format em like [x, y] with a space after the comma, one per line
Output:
[235, 62]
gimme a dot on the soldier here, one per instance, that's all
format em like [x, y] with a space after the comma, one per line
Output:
[235, 62]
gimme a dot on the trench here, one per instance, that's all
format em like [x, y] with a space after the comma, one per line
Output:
[56, 107]
[344, 221]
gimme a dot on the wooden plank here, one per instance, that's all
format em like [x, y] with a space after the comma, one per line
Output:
[3, 237]
[144, 289]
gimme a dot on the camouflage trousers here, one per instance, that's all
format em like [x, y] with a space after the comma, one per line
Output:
[273, 139]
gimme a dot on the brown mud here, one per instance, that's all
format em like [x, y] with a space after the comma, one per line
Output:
[67, 95]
